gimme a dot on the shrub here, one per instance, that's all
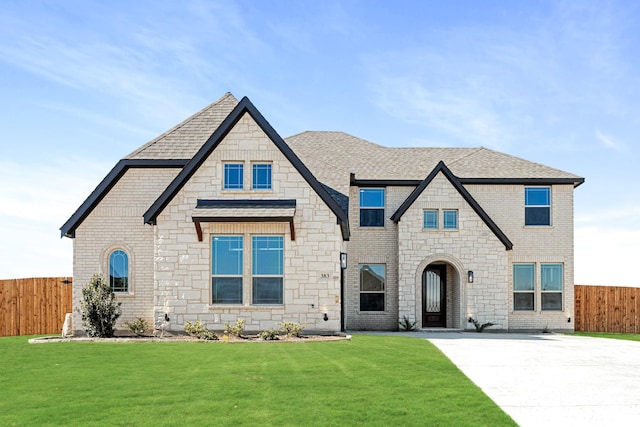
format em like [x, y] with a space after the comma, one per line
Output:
[480, 327]
[198, 330]
[292, 329]
[138, 327]
[268, 335]
[99, 308]
[407, 324]
[235, 330]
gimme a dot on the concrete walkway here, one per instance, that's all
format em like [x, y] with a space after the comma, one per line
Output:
[548, 379]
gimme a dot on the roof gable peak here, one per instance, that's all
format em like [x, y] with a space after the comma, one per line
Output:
[441, 167]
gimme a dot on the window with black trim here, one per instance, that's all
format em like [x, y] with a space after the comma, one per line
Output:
[373, 280]
[372, 207]
[537, 206]
[119, 271]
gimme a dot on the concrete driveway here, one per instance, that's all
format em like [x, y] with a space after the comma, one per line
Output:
[551, 380]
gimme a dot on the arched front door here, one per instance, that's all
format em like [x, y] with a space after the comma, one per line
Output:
[434, 296]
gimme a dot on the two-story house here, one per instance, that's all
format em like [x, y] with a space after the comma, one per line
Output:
[220, 219]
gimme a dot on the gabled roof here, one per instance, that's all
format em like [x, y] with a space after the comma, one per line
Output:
[112, 178]
[244, 107]
[442, 168]
[185, 139]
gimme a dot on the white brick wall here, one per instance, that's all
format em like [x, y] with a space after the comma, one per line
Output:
[116, 223]
[407, 250]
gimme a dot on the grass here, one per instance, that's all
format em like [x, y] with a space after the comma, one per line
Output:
[629, 337]
[370, 380]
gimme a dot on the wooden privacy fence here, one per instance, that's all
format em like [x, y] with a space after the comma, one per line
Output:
[34, 306]
[607, 309]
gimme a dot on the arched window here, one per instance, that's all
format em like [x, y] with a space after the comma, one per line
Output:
[119, 271]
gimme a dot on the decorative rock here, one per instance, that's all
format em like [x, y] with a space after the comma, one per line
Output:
[67, 331]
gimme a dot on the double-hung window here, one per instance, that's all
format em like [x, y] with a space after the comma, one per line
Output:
[524, 279]
[372, 207]
[372, 287]
[119, 271]
[233, 176]
[551, 286]
[537, 206]
[226, 269]
[261, 179]
[267, 269]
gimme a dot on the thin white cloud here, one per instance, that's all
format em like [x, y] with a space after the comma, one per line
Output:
[608, 142]
[500, 86]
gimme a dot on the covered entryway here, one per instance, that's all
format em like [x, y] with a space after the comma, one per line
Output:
[439, 293]
[434, 296]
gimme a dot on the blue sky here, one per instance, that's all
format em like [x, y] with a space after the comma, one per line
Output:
[84, 83]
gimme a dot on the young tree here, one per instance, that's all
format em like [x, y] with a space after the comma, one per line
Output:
[99, 308]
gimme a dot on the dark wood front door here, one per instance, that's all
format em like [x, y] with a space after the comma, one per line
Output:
[434, 297]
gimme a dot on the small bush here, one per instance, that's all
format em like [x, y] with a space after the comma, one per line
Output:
[292, 329]
[268, 335]
[198, 330]
[407, 324]
[138, 327]
[99, 308]
[235, 330]
[480, 327]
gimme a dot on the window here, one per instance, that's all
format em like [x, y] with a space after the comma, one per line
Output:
[267, 269]
[431, 219]
[523, 287]
[226, 269]
[261, 176]
[119, 271]
[372, 207]
[372, 287]
[537, 206]
[551, 286]
[233, 176]
[450, 218]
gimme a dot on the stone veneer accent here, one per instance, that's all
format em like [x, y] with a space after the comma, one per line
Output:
[311, 262]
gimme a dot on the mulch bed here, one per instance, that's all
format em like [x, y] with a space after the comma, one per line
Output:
[186, 338]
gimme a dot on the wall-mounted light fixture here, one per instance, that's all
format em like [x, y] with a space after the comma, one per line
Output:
[470, 276]
[325, 317]
[568, 319]
[343, 260]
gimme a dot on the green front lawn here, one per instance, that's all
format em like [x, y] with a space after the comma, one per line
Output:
[370, 380]
[629, 337]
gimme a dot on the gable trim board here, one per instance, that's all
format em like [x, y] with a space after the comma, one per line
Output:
[442, 168]
[244, 106]
[244, 210]
[109, 181]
